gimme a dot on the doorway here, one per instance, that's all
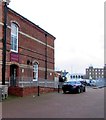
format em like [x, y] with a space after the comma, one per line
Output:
[13, 75]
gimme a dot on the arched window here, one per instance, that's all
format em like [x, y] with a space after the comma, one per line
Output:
[14, 37]
[35, 72]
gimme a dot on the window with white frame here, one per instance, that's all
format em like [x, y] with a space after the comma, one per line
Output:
[14, 37]
[90, 73]
[35, 72]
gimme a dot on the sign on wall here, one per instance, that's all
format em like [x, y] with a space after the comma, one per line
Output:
[14, 57]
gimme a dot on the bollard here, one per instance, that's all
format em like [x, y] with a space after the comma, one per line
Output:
[38, 90]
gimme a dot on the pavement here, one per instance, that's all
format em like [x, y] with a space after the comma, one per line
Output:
[56, 105]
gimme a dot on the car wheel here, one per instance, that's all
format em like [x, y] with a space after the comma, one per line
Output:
[64, 91]
[79, 90]
[84, 89]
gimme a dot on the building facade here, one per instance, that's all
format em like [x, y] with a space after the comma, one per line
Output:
[94, 73]
[105, 71]
[77, 76]
[29, 49]
[64, 74]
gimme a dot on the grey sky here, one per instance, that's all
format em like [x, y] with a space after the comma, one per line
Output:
[78, 26]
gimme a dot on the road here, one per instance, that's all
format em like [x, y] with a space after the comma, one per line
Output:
[57, 105]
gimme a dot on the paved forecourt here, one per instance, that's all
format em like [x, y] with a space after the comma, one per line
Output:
[57, 105]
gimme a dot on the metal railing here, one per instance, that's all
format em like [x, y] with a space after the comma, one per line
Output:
[28, 82]
[47, 83]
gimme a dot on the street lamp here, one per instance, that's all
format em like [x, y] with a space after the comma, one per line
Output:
[6, 2]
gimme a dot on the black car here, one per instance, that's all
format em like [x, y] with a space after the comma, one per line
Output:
[73, 86]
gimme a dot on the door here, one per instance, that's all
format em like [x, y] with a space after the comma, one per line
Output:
[13, 75]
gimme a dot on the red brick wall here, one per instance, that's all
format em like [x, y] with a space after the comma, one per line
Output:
[29, 90]
[1, 36]
[1, 28]
[30, 49]
[0, 72]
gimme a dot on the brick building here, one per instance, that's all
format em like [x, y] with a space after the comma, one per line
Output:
[94, 73]
[29, 49]
[105, 71]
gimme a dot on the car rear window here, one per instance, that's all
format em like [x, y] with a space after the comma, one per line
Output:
[73, 82]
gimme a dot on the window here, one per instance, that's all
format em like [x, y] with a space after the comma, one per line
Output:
[35, 72]
[14, 37]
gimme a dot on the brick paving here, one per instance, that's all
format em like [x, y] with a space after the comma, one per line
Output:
[57, 105]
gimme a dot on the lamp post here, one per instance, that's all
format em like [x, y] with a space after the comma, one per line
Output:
[6, 2]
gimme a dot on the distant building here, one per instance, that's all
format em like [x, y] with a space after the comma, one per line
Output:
[105, 71]
[76, 76]
[65, 75]
[94, 73]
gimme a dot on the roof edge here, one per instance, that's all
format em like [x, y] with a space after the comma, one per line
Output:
[45, 32]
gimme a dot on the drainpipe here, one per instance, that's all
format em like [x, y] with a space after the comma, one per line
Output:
[46, 57]
[6, 2]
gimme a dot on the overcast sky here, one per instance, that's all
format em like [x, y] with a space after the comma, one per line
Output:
[78, 26]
